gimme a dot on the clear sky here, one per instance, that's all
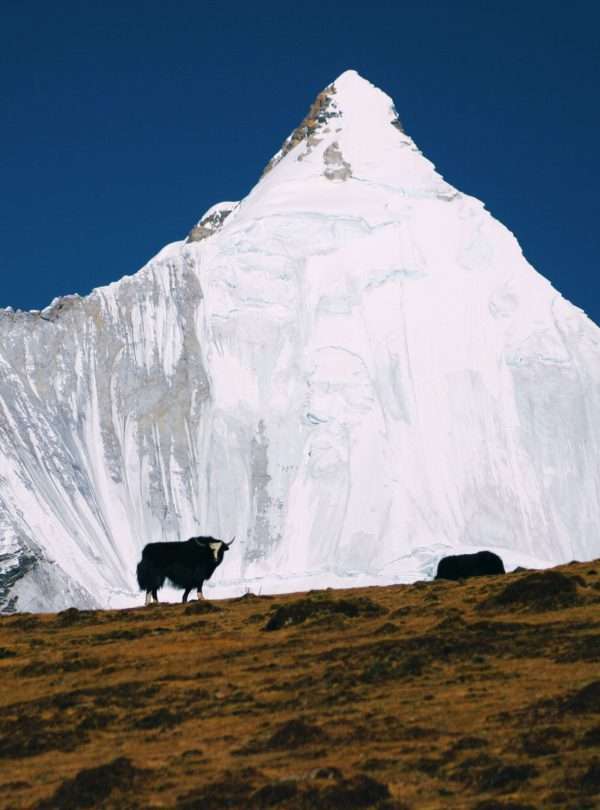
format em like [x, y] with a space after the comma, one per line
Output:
[123, 121]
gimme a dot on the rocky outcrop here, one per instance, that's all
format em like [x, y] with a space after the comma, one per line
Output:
[336, 168]
[211, 222]
[317, 120]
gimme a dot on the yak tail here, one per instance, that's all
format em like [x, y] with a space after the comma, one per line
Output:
[148, 577]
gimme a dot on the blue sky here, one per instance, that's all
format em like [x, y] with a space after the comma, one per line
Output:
[124, 121]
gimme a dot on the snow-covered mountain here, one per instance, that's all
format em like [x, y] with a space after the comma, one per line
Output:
[354, 370]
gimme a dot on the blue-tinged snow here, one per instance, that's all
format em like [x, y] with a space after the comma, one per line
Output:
[354, 370]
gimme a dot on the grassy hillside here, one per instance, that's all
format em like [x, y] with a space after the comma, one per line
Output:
[483, 694]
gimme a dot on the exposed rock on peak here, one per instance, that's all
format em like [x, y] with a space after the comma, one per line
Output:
[336, 167]
[212, 221]
[315, 122]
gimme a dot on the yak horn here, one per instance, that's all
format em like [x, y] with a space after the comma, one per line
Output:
[231, 541]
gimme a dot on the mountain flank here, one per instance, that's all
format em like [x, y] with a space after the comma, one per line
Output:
[482, 694]
[353, 369]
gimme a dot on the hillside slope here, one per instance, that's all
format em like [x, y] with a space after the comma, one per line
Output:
[477, 695]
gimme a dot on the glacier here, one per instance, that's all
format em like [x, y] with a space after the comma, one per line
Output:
[354, 370]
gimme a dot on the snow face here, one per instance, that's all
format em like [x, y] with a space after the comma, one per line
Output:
[354, 370]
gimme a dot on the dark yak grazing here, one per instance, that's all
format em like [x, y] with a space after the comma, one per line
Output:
[462, 566]
[186, 565]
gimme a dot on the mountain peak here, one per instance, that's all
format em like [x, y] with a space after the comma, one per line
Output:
[352, 78]
[363, 103]
[356, 89]
[350, 104]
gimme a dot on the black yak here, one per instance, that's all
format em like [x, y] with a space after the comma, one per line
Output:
[462, 566]
[186, 565]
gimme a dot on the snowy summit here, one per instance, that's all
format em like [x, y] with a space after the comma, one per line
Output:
[354, 370]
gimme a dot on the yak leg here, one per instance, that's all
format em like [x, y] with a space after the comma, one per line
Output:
[154, 595]
[148, 598]
[199, 594]
[186, 593]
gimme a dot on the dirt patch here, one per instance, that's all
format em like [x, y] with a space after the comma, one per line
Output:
[251, 597]
[591, 738]
[581, 648]
[351, 794]
[543, 741]
[126, 634]
[584, 701]
[449, 641]
[393, 667]
[37, 669]
[73, 616]
[466, 744]
[505, 777]
[201, 606]
[386, 629]
[232, 791]
[31, 728]
[92, 786]
[305, 610]
[95, 720]
[274, 794]
[127, 695]
[162, 718]
[589, 781]
[28, 736]
[295, 734]
[23, 621]
[401, 613]
[240, 791]
[545, 590]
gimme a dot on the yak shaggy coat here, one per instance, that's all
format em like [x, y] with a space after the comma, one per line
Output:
[186, 565]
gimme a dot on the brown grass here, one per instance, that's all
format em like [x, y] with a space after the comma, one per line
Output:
[483, 694]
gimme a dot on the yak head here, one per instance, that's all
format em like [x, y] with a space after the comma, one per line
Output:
[218, 547]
